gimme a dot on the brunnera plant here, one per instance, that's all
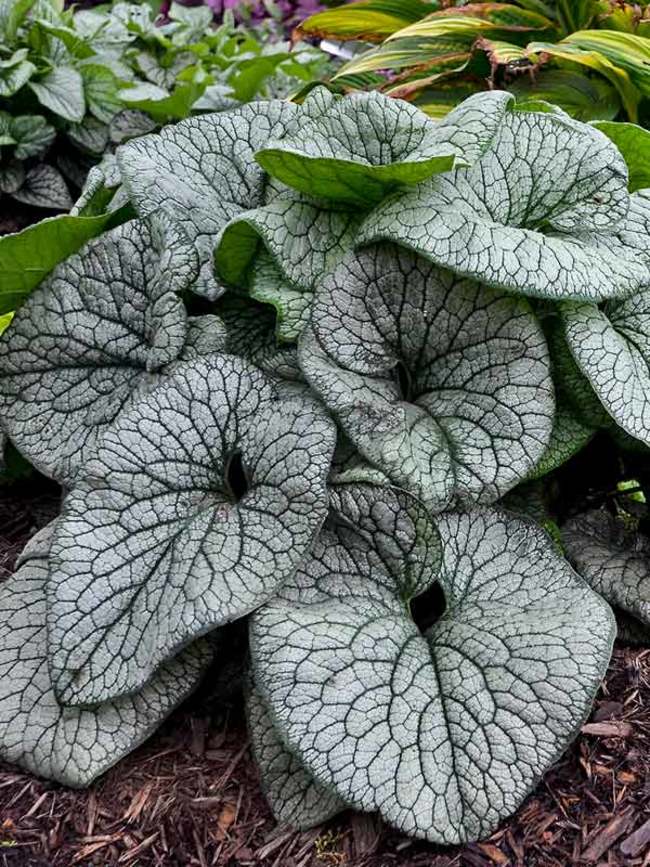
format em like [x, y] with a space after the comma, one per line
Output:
[296, 388]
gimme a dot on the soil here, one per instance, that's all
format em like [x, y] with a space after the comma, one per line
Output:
[190, 796]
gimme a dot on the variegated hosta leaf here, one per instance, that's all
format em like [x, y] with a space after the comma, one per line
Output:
[292, 793]
[613, 559]
[544, 212]
[441, 383]
[443, 730]
[202, 173]
[102, 328]
[201, 500]
[70, 745]
[300, 243]
[611, 346]
[358, 149]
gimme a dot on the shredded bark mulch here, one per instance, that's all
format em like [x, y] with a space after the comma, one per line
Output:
[190, 796]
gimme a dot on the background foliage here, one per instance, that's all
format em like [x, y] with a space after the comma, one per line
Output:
[589, 57]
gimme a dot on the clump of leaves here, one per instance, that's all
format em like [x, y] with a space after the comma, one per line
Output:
[298, 386]
[73, 84]
[589, 57]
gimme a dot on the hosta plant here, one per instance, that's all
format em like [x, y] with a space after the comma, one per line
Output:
[296, 388]
[588, 56]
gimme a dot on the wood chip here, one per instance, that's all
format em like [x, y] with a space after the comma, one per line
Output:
[606, 838]
[637, 841]
[494, 853]
[225, 819]
[611, 729]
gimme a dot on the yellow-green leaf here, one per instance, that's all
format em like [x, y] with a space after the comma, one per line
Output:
[367, 20]
[477, 18]
[625, 50]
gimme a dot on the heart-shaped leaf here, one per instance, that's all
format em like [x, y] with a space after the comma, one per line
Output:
[201, 501]
[544, 212]
[441, 383]
[103, 327]
[70, 745]
[442, 727]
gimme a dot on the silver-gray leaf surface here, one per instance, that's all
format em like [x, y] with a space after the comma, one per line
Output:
[199, 503]
[70, 745]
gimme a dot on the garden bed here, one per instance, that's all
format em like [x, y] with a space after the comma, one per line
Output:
[190, 795]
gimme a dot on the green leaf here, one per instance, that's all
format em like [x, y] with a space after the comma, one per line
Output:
[160, 512]
[201, 171]
[33, 135]
[585, 98]
[544, 212]
[70, 746]
[12, 15]
[61, 91]
[27, 257]
[90, 136]
[613, 559]
[597, 62]
[477, 19]
[44, 187]
[429, 724]
[163, 105]
[65, 378]
[450, 414]
[365, 20]
[101, 91]
[14, 76]
[634, 143]
[359, 149]
[5, 321]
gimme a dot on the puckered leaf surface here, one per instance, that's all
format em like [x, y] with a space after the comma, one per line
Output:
[612, 349]
[201, 500]
[544, 212]
[444, 731]
[202, 172]
[70, 745]
[441, 383]
[358, 149]
[103, 327]
[293, 794]
[614, 561]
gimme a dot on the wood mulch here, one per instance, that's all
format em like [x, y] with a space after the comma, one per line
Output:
[190, 796]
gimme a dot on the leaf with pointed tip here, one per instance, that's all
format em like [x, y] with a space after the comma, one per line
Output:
[69, 745]
[359, 149]
[62, 92]
[611, 346]
[613, 560]
[201, 172]
[44, 187]
[545, 212]
[444, 730]
[473, 412]
[103, 327]
[292, 793]
[200, 501]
